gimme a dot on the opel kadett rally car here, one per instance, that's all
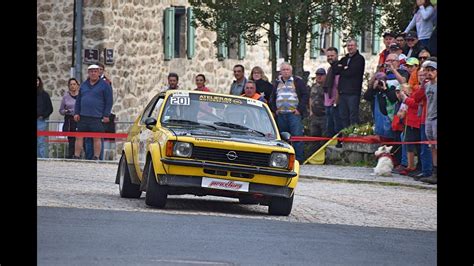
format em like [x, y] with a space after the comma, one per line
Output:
[201, 143]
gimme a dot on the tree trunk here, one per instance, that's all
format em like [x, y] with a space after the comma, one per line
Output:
[298, 43]
[284, 38]
[273, 40]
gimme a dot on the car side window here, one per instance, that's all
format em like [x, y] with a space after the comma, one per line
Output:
[148, 109]
[157, 107]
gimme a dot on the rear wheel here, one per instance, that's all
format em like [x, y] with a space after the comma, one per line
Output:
[126, 188]
[280, 206]
[156, 194]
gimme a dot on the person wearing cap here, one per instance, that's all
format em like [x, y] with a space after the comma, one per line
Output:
[387, 40]
[395, 48]
[424, 165]
[413, 45]
[382, 96]
[431, 121]
[381, 93]
[425, 161]
[412, 64]
[423, 19]
[317, 112]
[93, 106]
[108, 128]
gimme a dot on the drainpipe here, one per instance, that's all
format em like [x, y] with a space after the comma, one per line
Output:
[71, 71]
[78, 40]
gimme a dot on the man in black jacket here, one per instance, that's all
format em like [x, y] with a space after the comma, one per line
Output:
[414, 46]
[351, 72]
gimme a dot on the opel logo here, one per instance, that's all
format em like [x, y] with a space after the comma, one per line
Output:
[232, 155]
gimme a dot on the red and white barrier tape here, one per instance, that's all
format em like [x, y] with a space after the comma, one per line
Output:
[82, 134]
[361, 139]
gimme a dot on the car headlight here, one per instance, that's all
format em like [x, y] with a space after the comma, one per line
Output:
[280, 160]
[179, 149]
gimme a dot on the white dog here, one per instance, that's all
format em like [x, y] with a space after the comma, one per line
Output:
[385, 161]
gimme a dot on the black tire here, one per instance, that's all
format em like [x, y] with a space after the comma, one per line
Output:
[126, 188]
[156, 194]
[280, 206]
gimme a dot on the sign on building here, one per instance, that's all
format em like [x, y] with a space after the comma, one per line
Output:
[91, 56]
[108, 56]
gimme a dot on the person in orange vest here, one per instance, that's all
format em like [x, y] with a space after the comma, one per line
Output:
[250, 91]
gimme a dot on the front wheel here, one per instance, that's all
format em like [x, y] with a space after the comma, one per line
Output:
[156, 194]
[126, 188]
[280, 206]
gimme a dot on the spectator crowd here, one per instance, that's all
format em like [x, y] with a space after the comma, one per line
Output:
[402, 92]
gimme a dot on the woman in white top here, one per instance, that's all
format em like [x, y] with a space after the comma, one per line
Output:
[423, 18]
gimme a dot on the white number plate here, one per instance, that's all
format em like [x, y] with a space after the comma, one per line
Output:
[224, 184]
[179, 100]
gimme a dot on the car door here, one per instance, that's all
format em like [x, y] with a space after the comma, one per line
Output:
[138, 140]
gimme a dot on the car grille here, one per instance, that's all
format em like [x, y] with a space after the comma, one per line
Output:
[219, 155]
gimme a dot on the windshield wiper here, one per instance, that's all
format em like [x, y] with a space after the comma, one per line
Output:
[237, 126]
[187, 122]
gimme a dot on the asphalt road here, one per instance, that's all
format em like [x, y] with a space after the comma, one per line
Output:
[71, 236]
[82, 220]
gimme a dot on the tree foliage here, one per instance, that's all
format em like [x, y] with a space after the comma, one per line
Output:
[253, 19]
[399, 15]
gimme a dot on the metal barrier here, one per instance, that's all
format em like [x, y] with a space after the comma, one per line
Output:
[57, 146]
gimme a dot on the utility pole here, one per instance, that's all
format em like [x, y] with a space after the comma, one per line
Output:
[78, 39]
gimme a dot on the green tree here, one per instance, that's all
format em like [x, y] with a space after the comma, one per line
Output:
[399, 15]
[248, 18]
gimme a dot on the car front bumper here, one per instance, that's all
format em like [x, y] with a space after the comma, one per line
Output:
[196, 181]
[223, 167]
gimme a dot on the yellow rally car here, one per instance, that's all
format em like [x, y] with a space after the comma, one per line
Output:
[201, 143]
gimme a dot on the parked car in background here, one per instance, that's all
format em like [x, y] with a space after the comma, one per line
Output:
[202, 143]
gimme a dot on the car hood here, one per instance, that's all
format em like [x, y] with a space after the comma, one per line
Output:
[228, 136]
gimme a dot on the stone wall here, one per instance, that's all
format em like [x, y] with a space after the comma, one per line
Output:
[54, 44]
[134, 29]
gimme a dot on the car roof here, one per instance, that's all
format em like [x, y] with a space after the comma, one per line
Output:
[204, 92]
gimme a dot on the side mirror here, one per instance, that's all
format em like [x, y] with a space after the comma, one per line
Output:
[150, 122]
[285, 136]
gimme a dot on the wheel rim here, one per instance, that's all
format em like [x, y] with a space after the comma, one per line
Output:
[122, 174]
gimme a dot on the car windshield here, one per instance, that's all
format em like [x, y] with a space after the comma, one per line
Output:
[240, 116]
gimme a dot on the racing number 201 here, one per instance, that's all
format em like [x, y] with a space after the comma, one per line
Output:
[179, 101]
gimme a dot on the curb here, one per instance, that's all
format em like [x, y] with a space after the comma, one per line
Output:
[383, 183]
[78, 160]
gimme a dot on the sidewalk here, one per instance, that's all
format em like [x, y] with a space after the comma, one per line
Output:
[358, 175]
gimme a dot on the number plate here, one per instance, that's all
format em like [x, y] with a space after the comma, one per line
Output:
[179, 100]
[224, 184]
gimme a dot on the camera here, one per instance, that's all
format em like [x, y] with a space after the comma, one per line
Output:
[380, 83]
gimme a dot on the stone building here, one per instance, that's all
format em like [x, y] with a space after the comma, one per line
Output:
[137, 32]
